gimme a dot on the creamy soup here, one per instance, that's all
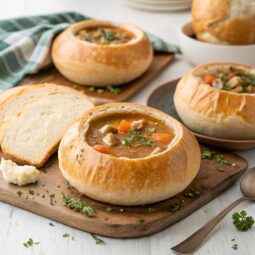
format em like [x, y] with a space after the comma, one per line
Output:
[129, 135]
[105, 35]
[231, 79]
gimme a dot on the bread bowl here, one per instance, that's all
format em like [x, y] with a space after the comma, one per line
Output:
[115, 175]
[224, 21]
[221, 107]
[88, 53]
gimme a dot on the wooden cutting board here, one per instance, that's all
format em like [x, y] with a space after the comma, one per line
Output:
[45, 198]
[51, 75]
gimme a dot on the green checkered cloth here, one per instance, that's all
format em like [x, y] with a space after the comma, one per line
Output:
[25, 44]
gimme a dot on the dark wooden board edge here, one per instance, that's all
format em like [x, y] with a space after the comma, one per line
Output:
[51, 75]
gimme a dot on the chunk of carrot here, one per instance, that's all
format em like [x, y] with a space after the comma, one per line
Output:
[102, 148]
[124, 126]
[209, 78]
[161, 137]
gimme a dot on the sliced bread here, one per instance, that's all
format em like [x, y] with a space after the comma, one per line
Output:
[35, 132]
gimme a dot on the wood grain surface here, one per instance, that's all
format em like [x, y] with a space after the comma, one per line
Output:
[51, 75]
[45, 198]
[162, 99]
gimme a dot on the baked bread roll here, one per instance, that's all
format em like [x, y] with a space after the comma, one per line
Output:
[224, 21]
[35, 119]
[218, 100]
[100, 53]
[143, 167]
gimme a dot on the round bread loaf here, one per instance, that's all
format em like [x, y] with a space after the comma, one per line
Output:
[128, 181]
[89, 63]
[224, 21]
[215, 112]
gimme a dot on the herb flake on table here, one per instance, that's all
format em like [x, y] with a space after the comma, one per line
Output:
[30, 242]
[206, 155]
[241, 221]
[78, 206]
[66, 235]
[113, 90]
[98, 240]
[51, 224]
[235, 246]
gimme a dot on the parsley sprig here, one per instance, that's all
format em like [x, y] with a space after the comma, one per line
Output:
[29, 242]
[98, 240]
[241, 221]
[221, 160]
[135, 136]
[206, 155]
[78, 206]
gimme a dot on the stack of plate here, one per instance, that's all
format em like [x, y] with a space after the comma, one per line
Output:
[160, 5]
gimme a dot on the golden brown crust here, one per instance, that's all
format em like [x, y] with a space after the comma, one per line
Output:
[213, 23]
[100, 65]
[127, 181]
[212, 111]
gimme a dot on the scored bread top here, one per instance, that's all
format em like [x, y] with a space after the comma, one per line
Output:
[36, 119]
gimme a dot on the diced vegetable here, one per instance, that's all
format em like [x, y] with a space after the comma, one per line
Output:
[209, 78]
[161, 137]
[124, 126]
[102, 148]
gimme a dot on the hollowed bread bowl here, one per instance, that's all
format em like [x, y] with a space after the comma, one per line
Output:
[122, 180]
[88, 63]
[214, 112]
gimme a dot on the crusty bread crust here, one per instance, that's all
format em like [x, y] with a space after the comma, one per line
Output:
[125, 181]
[215, 112]
[101, 65]
[223, 22]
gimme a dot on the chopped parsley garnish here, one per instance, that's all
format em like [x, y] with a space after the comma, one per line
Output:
[235, 246]
[113, 90]
[206, 155]
[109, 209]
[108, 36]
[98, 240]
[30, 242]
[51, 224]
[135, 136]
[150, 209]
[176, 207]
[19, 193]
[220, 159]
[65, 235]
[241, 221]
[78, 206]
[191, 194]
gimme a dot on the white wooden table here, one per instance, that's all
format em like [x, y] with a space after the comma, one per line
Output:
[17, 225]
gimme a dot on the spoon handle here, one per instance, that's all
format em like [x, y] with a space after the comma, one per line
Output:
[192, 243]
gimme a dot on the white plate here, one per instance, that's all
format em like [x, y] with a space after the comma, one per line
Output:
[157, 7]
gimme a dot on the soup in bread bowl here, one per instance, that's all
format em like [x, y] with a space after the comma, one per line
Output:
[128, 154]
[217, 99]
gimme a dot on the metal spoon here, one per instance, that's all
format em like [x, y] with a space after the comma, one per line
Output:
[192, 243]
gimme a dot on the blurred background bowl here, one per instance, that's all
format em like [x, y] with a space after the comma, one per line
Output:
[197, 52]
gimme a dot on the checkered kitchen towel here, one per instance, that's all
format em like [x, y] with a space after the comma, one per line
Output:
[25, 44]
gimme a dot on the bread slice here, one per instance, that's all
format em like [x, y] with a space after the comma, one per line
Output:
[34, 134]
[14, 100]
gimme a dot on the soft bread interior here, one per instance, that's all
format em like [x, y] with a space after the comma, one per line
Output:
[33, 136]
[19, 97]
